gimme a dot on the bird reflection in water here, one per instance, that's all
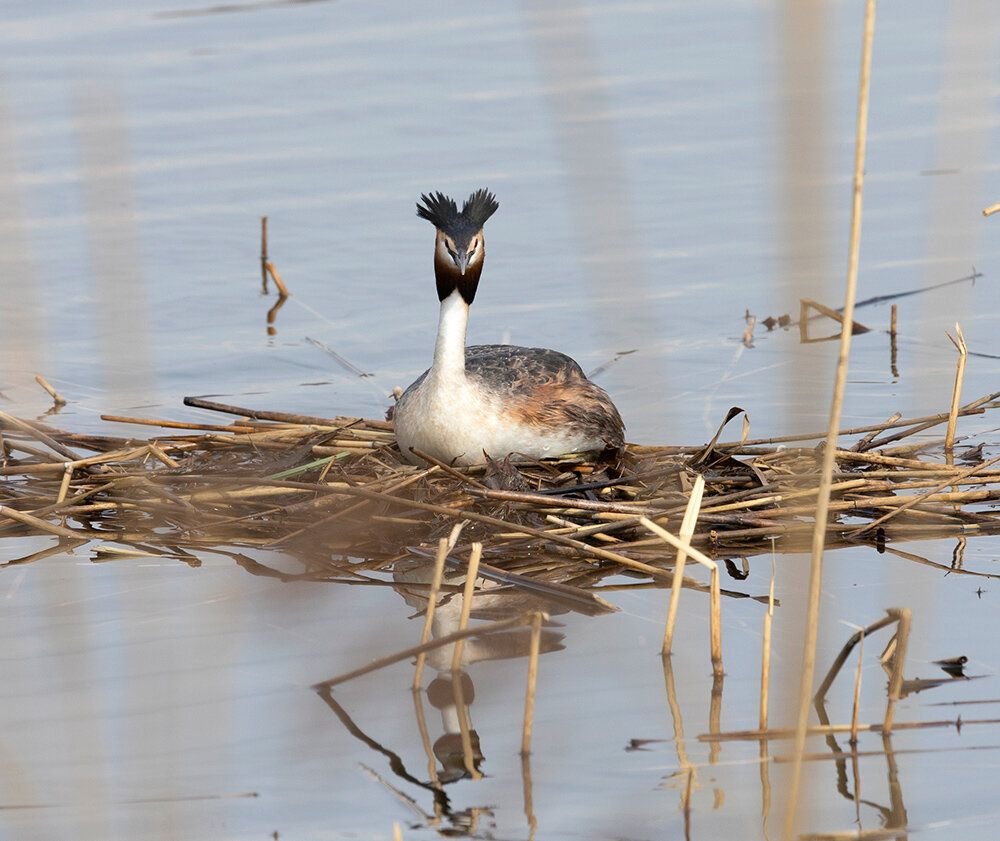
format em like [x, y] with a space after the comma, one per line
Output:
[453, 748]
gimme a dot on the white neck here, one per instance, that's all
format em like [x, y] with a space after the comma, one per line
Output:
[449, 352]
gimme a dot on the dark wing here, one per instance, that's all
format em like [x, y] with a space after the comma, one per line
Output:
[546, 388]
[508, 368]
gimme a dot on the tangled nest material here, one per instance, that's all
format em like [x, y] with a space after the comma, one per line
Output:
[335, 494]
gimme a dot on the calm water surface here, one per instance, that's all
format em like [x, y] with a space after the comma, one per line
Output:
[651, 193]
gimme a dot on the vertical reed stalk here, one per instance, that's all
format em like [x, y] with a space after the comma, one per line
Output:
[898, 663]
[432, 596]
[67, 477]
[715, 594]
[263, 254]
[686, 800]
[893, 347]
[956, 393]
[836, 406]
[715, 619]
[467, 594]
[464, 727]
[529, 800]
[425, 738]
[680, 743]
[529, 695]
[765, 657]
[686, 532]
[856, 706]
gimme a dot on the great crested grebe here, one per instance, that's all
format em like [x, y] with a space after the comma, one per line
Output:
[492, 400]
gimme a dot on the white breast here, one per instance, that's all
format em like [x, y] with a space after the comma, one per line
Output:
[455, 421]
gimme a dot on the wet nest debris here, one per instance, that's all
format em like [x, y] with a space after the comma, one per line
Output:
[336, 494]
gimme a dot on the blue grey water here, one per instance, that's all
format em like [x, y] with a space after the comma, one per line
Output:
[655, 186]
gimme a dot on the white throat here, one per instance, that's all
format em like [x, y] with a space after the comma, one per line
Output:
[449, 352]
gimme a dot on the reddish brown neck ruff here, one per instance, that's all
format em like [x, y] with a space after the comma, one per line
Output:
[449, 279]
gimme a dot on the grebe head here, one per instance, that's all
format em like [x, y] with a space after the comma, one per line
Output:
[459, 249]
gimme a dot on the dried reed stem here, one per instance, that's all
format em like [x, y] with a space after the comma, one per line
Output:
[686, 802]
[715, 618]
[271, 270]
[263, 254]
[38, 435]
[467, 594]
[765, 657]
[36, 523]
[529, 694]
[67, 477]
[715, 593]
[941, 417]
[281, 417]
[904, 618]
[397, 831]
[686, 533]
[170, 424]
[956, 394]
[924, 497]
[576, 505]
[157, 452]
[57, 398]
[447, 468]
[425, 737]
[528, 797]
[845, 652]
[751, 322]
[586, 548]
[856, 705]
[432, 595]
[993, 208]
[464, 726]
[864, 443]
[893, 344]
[836, 406]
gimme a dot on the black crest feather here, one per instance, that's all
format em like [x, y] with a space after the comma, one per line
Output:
[443, 213]
[479, 207]
[438, 209]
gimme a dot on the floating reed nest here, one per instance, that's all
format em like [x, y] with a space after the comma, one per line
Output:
[334, 494]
